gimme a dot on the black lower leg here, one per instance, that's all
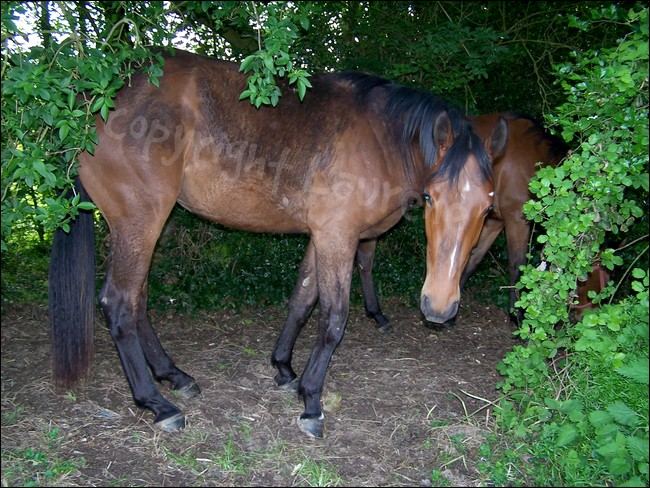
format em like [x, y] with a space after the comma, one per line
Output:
[365, 260]
[162, 366]
[122, 325]
[302, 302]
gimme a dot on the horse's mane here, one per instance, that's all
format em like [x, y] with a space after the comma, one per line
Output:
[558, 148]
[411, 113]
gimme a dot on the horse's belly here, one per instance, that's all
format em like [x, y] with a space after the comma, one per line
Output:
[383, 225]
[245, 205]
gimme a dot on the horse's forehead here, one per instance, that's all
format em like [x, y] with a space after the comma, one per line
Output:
[471, 183]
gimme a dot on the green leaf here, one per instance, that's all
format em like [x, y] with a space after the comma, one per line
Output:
[623, 414]
[246, 64]
[610, 450]
[619, 466]
[97, 104]
[638, 448]
[86, 206]
[567, 435]
[63, 131]
[302, 89]
[268, 62]
[599, 418]
[636, 370]
[40, 167]
[245, 94]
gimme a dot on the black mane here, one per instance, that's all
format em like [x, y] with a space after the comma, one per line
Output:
[411, 113]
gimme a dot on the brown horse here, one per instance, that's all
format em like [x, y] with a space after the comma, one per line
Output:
[596, 281]
[344, 165]
[528, 144]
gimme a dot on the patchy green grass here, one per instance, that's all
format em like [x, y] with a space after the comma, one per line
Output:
[36, 467]
[312, 473]
[230, 458]
[438, 479]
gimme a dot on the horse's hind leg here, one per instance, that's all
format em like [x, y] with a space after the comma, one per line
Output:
[132, 245]
[365, 260]
[302, 302]
[162, 366]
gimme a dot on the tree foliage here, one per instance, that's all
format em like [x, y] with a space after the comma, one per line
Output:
[86, 51]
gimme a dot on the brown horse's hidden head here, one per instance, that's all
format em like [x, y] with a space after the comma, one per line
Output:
[457, 197]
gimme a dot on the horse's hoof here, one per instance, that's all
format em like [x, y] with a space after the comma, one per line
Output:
[286, 384]
[291, 386]
[313, 426]
[385, 329]
[171, 424]
[382, 322]
[188, 391]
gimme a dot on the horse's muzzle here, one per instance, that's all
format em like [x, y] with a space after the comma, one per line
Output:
[436, 316]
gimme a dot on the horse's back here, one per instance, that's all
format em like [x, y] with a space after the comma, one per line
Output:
[273, 169]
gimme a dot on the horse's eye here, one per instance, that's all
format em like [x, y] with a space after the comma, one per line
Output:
[427, 198]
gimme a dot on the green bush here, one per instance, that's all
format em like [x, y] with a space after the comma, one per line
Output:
[578, 393]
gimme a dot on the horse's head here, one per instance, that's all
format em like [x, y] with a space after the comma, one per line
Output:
[457, 197]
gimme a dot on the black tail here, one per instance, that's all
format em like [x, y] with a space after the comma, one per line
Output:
[72, 298]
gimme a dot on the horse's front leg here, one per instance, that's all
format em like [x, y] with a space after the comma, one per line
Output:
[334, 261]
[302, 301]
[517, 235]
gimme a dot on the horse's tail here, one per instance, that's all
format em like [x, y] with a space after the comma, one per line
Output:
[72, 298]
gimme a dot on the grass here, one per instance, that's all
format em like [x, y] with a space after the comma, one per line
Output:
[313, 473]
[500, 464]
[186, 460]
[230, 458]
[36, 467]
[438, 479]
[610, 453]
[13, 416]
[237, 464]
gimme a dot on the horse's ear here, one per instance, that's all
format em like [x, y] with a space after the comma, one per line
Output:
[498, 139]
[442, 132]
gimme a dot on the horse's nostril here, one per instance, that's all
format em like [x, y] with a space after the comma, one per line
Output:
[425, 305]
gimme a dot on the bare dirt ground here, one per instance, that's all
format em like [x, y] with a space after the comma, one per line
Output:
[397, 406]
